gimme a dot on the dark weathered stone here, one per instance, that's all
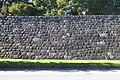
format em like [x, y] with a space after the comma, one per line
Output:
[70, 37]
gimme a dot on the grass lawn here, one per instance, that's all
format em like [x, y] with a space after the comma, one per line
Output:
[58, 64]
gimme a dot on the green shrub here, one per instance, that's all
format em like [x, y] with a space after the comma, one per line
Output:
[17, 9]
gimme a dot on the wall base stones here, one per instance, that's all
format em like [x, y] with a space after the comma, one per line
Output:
[71, 37]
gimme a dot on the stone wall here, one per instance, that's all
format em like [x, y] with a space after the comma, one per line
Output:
[70, 37]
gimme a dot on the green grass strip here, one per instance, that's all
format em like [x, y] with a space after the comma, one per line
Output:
[58, 64]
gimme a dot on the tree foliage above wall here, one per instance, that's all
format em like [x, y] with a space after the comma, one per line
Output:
[59, 7]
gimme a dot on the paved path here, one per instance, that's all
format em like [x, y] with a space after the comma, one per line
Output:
[61, 75]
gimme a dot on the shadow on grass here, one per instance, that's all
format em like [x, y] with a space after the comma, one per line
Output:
[21, 65]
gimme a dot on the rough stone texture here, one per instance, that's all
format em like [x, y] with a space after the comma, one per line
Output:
[70, 37]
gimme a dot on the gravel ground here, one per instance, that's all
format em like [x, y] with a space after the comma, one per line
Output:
[61, 75]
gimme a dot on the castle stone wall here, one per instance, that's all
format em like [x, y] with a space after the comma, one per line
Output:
[71, 37]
